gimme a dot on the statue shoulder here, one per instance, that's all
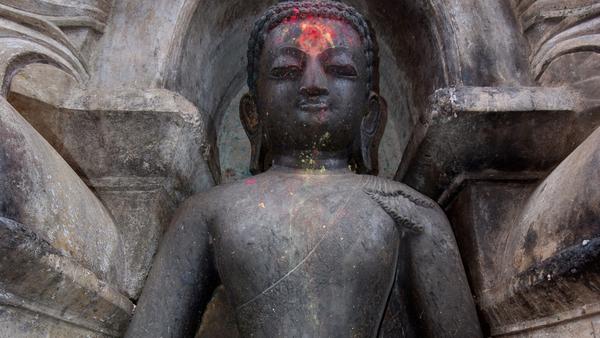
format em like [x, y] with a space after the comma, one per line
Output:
[203, 204]
[215, 198]
[410, 209]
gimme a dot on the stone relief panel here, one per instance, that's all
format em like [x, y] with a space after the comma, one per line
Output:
[78, 13]
[62, 271]
[59, 32]
[531, 254]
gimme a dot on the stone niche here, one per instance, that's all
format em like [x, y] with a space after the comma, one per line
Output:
[134, 105]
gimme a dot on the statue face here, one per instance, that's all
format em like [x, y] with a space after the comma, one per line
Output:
[312, 88]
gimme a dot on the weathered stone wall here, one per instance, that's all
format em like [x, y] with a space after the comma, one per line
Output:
[92, 167]
[512, 166]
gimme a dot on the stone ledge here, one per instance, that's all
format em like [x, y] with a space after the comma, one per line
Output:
[474, 129]
[141, 151]
[35, 278]
[125, 133]
[561, 288]
[575, 323]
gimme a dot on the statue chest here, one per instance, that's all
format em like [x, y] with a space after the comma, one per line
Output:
[307, 255]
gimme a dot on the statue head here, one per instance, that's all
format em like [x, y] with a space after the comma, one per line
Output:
[313, 76]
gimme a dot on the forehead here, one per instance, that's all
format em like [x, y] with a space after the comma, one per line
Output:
[314, 35]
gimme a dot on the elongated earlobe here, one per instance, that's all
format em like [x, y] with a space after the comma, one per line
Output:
[371, 131]
[253, 127]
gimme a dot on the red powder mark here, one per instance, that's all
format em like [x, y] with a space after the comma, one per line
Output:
[322, 115]
[251, 181]
[295, 16]
[315, 37]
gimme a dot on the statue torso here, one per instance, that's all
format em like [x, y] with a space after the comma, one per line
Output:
[304, 255]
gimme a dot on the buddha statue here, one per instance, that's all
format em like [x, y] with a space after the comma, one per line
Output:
[313, 245]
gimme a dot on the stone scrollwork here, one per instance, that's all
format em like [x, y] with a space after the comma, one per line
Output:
[559, 29]
[56, 32]
[66, 13]
[33, 31]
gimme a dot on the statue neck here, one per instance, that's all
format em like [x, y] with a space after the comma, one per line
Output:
[313, 160]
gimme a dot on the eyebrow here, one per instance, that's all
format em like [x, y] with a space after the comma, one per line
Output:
[291, 51]
[298, 53]
[333, 51]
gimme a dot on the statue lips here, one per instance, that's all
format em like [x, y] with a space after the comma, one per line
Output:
[313, 105]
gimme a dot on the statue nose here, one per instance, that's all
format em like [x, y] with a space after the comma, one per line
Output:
[313, 91]
[314, 80]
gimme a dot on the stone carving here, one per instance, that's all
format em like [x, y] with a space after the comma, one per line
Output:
[564, 42]
[517, 188]
[31, 266]
[70, 246]
[110, 112]
[525, 238]
[40, 189]
[86, 254]
[81, 13]
[28, 38]
[307, 247]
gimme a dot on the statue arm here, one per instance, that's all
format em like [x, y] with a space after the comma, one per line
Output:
[181, 280]
[431, 296]
[438, 286]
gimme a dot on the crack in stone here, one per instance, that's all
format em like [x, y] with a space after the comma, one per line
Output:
[308, 255]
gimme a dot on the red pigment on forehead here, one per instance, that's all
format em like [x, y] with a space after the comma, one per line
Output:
[315, 37]
[295, 16]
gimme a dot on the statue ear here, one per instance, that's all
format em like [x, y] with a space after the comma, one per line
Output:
[249, 114]
[252, 125]
[371, 131]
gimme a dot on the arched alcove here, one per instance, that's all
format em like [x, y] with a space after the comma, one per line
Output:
[425, 45]
[211, 72]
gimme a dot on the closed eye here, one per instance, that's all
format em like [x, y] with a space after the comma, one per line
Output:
[342, 70]
[286, 72]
